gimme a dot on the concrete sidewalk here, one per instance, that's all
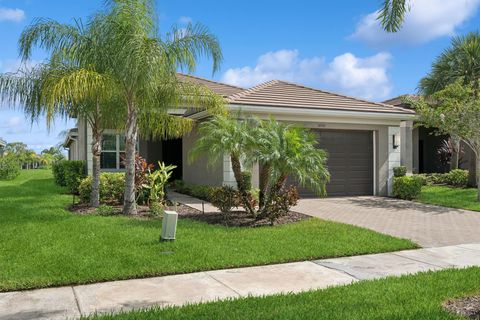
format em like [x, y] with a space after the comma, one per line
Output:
[73, 301]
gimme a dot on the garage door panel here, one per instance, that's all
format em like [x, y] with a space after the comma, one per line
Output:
[350, 162]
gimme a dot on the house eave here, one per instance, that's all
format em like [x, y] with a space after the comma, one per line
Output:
[311, 112]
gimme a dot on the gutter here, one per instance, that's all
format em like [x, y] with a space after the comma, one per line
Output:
[310, 112]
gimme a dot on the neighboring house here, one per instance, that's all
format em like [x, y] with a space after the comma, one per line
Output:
[3, 144]
[425, 146]
[363, 138]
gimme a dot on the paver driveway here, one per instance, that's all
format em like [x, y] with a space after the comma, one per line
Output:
[427, 225]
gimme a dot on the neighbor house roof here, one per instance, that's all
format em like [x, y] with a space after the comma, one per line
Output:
[280, 94]
[400, 101]
[222, 89]
[71, 136]
[3, 143]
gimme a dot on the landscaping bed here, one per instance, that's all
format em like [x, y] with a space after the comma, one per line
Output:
[409, 297]
[468, 307]
[44, 244]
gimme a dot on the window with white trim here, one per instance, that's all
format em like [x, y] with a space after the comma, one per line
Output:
[113, 152]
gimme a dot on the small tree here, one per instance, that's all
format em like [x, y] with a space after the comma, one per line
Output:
[282, 150]
[454, 110]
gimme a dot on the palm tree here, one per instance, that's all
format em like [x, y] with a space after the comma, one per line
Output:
[133, 63]
[281, 149]
[461, 61]
[224, 135]
[63, 87]
[392, 14]
[284, 150]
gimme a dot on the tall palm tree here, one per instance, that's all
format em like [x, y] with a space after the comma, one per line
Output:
[55, 88]
[392, 14]
[138, 66]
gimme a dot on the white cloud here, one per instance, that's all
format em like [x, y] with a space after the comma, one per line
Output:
[427, 20]
[185, 20]
[13, 125]
[282, 64]
[14, 15]
[361, 77]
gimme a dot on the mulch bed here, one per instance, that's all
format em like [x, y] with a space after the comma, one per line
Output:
[468, 307]
[237, 218]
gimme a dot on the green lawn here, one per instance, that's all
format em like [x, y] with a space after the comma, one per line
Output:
[42, 244]
[415, 297]
[450, 197]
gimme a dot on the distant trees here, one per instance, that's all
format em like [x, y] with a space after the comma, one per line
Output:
[29, 159]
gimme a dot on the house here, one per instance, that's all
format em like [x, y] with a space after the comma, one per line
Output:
[3, 144]
[426, 144]
[365, 140]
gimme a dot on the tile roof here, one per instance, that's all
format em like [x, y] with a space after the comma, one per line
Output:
[220, 88]
[399, 101]
[278, 93]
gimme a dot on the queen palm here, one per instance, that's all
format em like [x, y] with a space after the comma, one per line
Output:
[61, 87]
[139, 66]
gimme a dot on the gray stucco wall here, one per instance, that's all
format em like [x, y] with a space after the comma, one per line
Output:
[199, 172]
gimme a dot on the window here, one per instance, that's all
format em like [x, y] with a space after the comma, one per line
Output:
[113, 152]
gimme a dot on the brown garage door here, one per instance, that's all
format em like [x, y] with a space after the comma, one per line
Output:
[350, 162]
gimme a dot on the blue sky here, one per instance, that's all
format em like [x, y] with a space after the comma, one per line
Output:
[333, 45]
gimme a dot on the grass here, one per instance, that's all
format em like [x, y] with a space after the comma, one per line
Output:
[42, 244]
[412, 297]
[450, 197]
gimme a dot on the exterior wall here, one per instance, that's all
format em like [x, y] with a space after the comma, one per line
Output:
[394, 156]
[406, 138]
[82, 139]
[199, 172]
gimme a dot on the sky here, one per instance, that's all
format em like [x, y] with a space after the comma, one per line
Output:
[332, 45]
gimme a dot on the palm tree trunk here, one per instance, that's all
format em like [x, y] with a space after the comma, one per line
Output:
[96, 152]
[237, 172]
[264, 182]
[274, 190]
[129, 203]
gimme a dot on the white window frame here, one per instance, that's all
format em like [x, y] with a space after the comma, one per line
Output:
[117, 150]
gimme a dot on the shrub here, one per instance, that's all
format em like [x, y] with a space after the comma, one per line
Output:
[111, 188]
[281, 203]
[400, 171]
[74, 173]
[9, 168]
[59, 172]
[454, 178]
[156, 209]
[225, 199]
[156, 181]
[198, 191]
[457, 178]
[69, 174]
[105, 210]
[407, 188]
